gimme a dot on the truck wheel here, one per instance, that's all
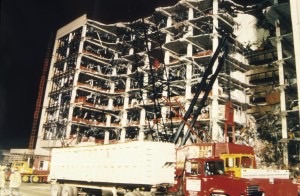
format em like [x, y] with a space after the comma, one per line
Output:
[67, 191]
[34, 179]
[56, 189]
[25, 178]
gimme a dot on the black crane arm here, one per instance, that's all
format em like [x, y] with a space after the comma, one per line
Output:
[202, 101]
[203, 87]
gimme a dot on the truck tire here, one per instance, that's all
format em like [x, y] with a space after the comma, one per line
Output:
[67, 191]
[56, 189]
[34, 179]
[25, 178]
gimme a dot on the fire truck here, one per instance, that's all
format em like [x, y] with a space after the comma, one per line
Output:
[239, 162]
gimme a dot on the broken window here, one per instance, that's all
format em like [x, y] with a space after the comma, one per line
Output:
[98, 51]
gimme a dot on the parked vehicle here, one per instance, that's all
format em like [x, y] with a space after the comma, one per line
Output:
[239, 162]
[33, 170]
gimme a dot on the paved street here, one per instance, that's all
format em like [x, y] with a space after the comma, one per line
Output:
[31, 189]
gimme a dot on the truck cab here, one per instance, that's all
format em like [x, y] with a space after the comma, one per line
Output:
[33, 170]
[234, 163]
[206, 176]
[23, 167]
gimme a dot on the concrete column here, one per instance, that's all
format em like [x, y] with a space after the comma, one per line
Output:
[189, 51]
[141, 135]
[167, 57]
[295, 15]
[143, 117]
[165, 77]
[189, 68]
[190, 28]
[106, 137]
[127, 84]
[168, 38]
[164, 111]
[123, 124]
[145, 79]
[123, 134]
[188, 87]
[169, 21]
[68, 52]
[70, 113]
[126, 101]
[191, 13]
[110, 103]
[282, 94]
[216, 136]
[280, 64]
[83, 34]
[108, 120]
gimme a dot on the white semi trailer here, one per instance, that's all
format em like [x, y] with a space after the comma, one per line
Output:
[88, 170]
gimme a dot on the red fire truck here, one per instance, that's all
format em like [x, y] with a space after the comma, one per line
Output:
[239, 162]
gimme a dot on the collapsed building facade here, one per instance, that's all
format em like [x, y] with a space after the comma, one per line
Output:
[134, 80]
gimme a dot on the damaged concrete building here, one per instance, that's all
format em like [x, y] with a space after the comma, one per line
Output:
[134, 80]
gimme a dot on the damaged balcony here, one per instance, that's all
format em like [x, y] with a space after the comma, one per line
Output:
[95, 66]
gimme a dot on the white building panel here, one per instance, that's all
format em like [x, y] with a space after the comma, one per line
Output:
[132, 163]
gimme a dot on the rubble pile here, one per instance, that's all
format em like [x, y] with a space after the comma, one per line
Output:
[264, 135]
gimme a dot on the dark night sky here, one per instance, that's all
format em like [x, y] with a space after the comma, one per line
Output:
[26, 28]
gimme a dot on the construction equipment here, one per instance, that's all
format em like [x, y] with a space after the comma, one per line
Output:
[33, 170]
[203, 86]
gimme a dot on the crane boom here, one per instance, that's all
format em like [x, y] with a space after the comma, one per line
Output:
[202, 87]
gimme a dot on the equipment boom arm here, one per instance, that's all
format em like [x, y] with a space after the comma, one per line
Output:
[200, 88]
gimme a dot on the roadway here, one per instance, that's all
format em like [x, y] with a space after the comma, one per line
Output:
[31, 189]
